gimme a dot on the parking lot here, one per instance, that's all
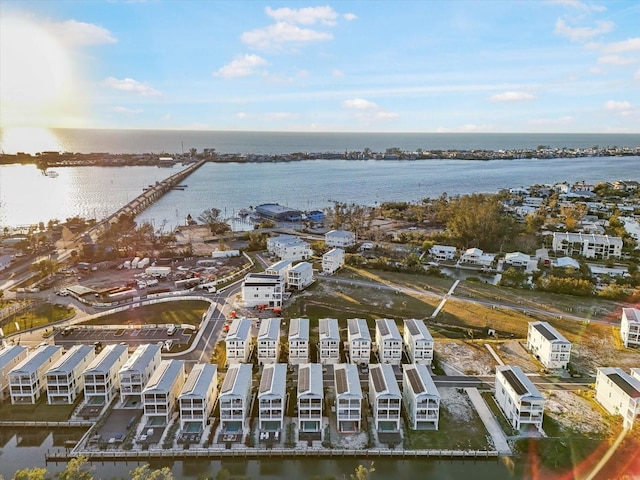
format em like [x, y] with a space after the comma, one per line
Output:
[132, 337]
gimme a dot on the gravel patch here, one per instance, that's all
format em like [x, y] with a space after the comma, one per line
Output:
[574, 412]
[458, 358]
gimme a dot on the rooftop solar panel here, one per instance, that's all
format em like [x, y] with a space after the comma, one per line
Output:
[413, 328]
[544, 331]
[303, 378]
[267, 379]
[514, 382]
[624, 385]
[294, 327]
[341, 380]
[382, 326]
[324, 326]
[353, 326]
[193, 377]
[414, 379]
[378, 378]
[229, 380]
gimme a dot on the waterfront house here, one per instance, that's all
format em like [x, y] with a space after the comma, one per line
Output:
[517, 259]
[300, 276]
[418, 341]
[420, 396]
[262, 289]
[298, 341]
[238, 341]
[198, 397]
[518, 398]
[587, 245]
[630, 327]
[548, 345]
[235, 399]
[269, 341]
[101, 380]
[339, 238]
[329, 341]
[10, 356]
[279, 212]
[27, 378]
[64, 378]
[136, 372]
[475, 256]
[332, 261]
[359, 341]
[443, 252]
[289, 247]
[388, 341]
[279, 268]
[310, 398]
[160, 395]
[348, 398]
[385, 397]
[619, 394]
[272, 397]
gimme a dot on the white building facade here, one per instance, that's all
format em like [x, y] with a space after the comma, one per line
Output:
[269, 341]
[339, 238]
[238, 341]
[548, 345]
[198, 396]
[630, 327]
[329, 348]
[619, 394]
[160, 395]
[9, 357]
[272, 397]
[136, 372]
[385, 397]
[388, 341]
[359, 341]
[443, 252]
[300, 276]
[587, 245]
[348, 404]
[310, 398]
[64, 378]
[298, 341]
[418, 341]
[27, 379]
[421, 397]
[518, 398]
[289, 247]
[332, 261]
[235, 399]
[262, 289]
[101, 380]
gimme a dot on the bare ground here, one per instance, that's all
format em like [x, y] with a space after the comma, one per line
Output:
[513, 352]
[460, 358]
[576, 413]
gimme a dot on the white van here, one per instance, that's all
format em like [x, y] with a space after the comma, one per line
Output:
[171, 329]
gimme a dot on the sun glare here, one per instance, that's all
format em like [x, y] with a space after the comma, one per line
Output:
[30, 140]
[36, 81]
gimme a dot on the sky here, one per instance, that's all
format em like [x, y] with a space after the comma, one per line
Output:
[567, 66]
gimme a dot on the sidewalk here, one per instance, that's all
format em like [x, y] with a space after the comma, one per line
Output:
[491, 424]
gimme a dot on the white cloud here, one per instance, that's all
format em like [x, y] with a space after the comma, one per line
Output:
[241, 115]
[614, 106]
[386, 115]
[350, 17]
[616, 60]
[581, 5]
[132, 86]
[636, 76]
[304, 16]
[580, 34]
[125, 110]
[241, 66]
[470, 127]
[359, 104]
[166, 117]
[628, 45]
[553, 121]
[596, 70]
[279, 34]
[337, 73]
[81, 34]
[511, 97]
[303, 74]
[279, 116]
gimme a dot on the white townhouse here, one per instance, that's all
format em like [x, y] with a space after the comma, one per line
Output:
[101, 380]
[339, 238]
[329, 341]
[421, 397]
[385, 397]
[235, 399]
[332, 261]
[238, 341]
[262, 289]
[272, 397]
[269, 341]
[160, 395]
[359, 341]
[518, 398]
[9, 357]
[619, 394]
[517, 259]
[635, 373]
[388, 341]
[475, 256]
[310, 398]
[300, 276]
[587, 245]
[298, 341]
[27, 378]
[136, 372]
[548, 345]
[198, 396]
[443, 252]
[64, 378]
[279, 268]
[289, 247]
[630, 327]
[348, 404]
[418, 341]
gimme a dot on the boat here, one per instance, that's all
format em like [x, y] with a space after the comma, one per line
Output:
[243, 213]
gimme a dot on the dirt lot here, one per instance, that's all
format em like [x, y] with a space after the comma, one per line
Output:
[575, 413]
[514, 352]
[459, 358]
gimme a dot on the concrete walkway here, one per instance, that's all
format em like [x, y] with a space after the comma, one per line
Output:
[494, 354]
[491, 424]
[445, 298]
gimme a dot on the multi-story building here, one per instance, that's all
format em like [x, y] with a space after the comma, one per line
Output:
[310, 398]
[160, 395]
[101, 381]
[443, 252]
[235, 399]
[9, 357]
[518, 398]
[385, 397]
[359, 341]
[272, 397]
[269, 341]
[332, 261]
[418, 341]
[27, 378]
[262, 289]
[388, 341]
[587, 245]
[548, 345]
[329, 341]
[348, 397]
[619, 394]
[300, 276]
[279, 268]
[64, 378]
[421, 397]
[198, 396]
[630, 327]
[339, 238]
[136, 372]
[238, 341]
[298, 341]
[289, 247]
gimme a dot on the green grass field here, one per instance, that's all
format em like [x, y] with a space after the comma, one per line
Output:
[179, 312]
[42, 315]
